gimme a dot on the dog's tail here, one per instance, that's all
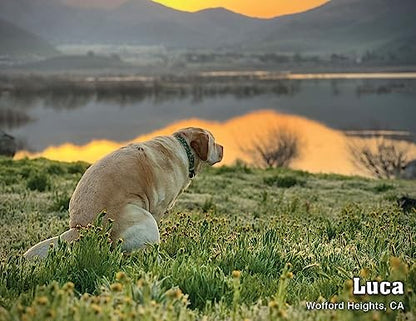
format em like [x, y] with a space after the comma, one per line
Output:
[41, 249]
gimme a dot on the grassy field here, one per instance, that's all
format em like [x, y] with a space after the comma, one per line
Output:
[241, 244]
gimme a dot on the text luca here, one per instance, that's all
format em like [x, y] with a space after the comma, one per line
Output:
[374, 287]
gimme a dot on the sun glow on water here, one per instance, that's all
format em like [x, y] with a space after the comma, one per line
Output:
[322, 149]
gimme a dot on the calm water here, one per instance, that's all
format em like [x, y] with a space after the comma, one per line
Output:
[345, 104]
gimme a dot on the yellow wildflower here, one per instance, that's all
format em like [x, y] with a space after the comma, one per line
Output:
[236, 274]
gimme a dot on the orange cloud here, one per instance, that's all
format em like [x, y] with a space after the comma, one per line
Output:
[323, 149]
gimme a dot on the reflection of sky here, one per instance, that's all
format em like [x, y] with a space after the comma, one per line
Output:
[321, 149]
[336, 106]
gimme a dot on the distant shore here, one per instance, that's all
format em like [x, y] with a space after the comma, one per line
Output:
[202, 83]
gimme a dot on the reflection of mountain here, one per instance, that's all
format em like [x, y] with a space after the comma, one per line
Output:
[58, 93]
[338, 26]
[317, 154]
[17, 41]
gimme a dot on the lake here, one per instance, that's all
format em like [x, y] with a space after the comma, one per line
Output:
[349, 105]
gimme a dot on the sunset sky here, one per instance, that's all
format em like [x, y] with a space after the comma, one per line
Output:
[260, 8]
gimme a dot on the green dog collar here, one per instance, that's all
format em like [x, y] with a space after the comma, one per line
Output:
[191, 158]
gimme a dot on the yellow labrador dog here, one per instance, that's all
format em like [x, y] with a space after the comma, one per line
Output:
[136, 185]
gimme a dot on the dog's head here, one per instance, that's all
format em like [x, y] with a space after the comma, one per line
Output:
[203, 143]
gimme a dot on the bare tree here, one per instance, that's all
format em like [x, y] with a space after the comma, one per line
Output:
[278, 148]
[382, 159]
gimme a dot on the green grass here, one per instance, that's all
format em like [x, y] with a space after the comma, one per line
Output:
[292, 236]
[284, 181]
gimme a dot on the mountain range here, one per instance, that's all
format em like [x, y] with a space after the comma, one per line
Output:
[17, 41]
[340, 26]
[337, 26]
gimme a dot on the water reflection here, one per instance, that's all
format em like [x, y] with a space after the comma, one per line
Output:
[71, 94]
[64, 94]
[43, 113]
[323, 149]
[11, 118]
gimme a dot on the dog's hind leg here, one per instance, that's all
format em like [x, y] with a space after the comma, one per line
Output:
[140, 228]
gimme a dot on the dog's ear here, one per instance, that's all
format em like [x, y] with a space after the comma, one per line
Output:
[200, 145]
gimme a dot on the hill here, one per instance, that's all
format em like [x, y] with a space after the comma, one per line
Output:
[240, 244]
[339, 26]
[16, 41]
[136, 22]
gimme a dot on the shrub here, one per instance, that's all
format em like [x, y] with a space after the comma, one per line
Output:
[55, 169]
[26, 171]
[77, 168]
[38, 181]
[238, 167]
[379, 188]
[277, 148]
[60, 202]
[284, 181]
[380, 157]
